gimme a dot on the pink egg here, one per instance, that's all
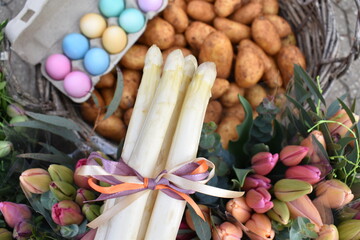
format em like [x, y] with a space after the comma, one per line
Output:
[77, 84]
[149, 5]
[57, 66]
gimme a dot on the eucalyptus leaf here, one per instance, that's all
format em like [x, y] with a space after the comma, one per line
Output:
[56, 152]
[51, 158]
[202, 228]
[114, 104]
[334, 107]
[54, 120]
[241, 174]
[303, 113]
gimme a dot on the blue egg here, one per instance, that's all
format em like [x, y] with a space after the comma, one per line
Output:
[75, 46]
[131, 20]
[111, 8]
[96, 61]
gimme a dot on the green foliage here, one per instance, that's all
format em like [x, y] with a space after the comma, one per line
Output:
[117, 95]
[202, 228]
[299, 229]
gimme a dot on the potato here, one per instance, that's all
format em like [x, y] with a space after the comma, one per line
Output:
[89, 110]
[248, 68]
[179, 3]
[270, 7]
[286, 58]
[255, 95]
[134, 58]
[201, 11]
[233, 30]
[131, 76]
[272, 76]
[227, 130]
[107, 94]
[159, 32]
[217, 48]
[247, 43]
[166, 53]
[127, 116]
[224, 8]
[231, 96]
[196, 33]
[210, 1]
[281, 25]
[176, 17]
[131, 85]
[265, 35]
[247, 13]
[220, 86]
[112, 128]
[106, 81]
[118, 112]
[289, 40]
[235, 111]
[180, 40]
[213, 112]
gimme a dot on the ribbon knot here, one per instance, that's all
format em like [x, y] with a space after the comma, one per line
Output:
[149, 183]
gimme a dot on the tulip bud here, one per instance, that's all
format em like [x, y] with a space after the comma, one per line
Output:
[62, 190]
[83, 195]
[14, 109]
[333, 193]
[238, 208]
[35, 180]
[347, 213]
[342, 117]
[22, 230]
[5, 148]
[226, 231]
[264, 162]
[303, 207]
[259, 199]
[280, 212]
[328, 232]
[260, 224]
[89, 235]
[312, 146]
[204, 209]
[305, 173]
[291, 189]
[61, 173]
[66, 212]
[18, 119]
[255, 181]
[292, 155]
[14, 213]
[349, 230]
[5, 234]
[81, 181]
[91, 211]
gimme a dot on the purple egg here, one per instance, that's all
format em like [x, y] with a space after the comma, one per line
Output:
[149, 5]
[77, 84]
[57, 66]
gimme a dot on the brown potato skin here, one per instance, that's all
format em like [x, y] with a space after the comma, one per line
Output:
[196, 34]
[131, 85]
[272, 76]
[235, 111]
[282, 27]
[106, 81]
[231, 96]
[224, 8]
[159, 32]
[248, 68]
[201, 11]
[166, 53]
[289, 40]
[255, 95]
[217, 48]
[177, 17]
[227, 130]
[247, 43]
[89, 110]
[213, 112]
[131, 76]
[286, 58]
[271, 7]
[135, 57]
[112, 128]
[265, 35]
[107, 94]
[127, 116]
[220, 86]
[233, 30]
[180, 40]
[247, 13]
[179, 3]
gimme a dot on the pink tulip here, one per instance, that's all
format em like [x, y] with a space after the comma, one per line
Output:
[255, 181]
[305, 173]
[81, 181]
[259, 199]
[14, 213]
[333, 193]
[292, 155]
[264, 162]
[66, 212]
[227, 231]
[90, 235]
[22, 230]
[238, 208]
[342, 117]
[312, 146]
[260, 225]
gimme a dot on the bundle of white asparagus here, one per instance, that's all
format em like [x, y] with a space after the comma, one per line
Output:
[164, 131]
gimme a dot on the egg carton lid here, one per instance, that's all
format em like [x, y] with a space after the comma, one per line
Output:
[37, 32]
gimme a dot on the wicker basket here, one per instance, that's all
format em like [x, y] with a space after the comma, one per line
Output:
[313, 22]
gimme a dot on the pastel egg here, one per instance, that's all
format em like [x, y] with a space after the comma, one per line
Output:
[150, 5]
[111, 8]
[131, 20]
[57, 66]
[92, 25]
[114, 39]
[77, 84]
[75, 45]
[96, 61]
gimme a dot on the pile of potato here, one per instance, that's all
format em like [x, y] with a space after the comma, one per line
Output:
[253, 49]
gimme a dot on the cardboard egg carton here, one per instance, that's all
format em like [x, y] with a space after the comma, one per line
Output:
[39, 28]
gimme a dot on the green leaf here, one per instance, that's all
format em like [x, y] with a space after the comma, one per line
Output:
[303, 113]
[55, 151]
[202, 228]
[241, 174]
[347, 110]
[2, 85]
[54, 120]
[51, 158]
[334, 107]
[114, 104]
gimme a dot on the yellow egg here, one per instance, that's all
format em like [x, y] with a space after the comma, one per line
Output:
[114, 39]
[92, 25]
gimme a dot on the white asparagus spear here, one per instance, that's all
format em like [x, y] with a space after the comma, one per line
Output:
[146, 91]
[167, 212]
[125, 225]
[189, 69]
